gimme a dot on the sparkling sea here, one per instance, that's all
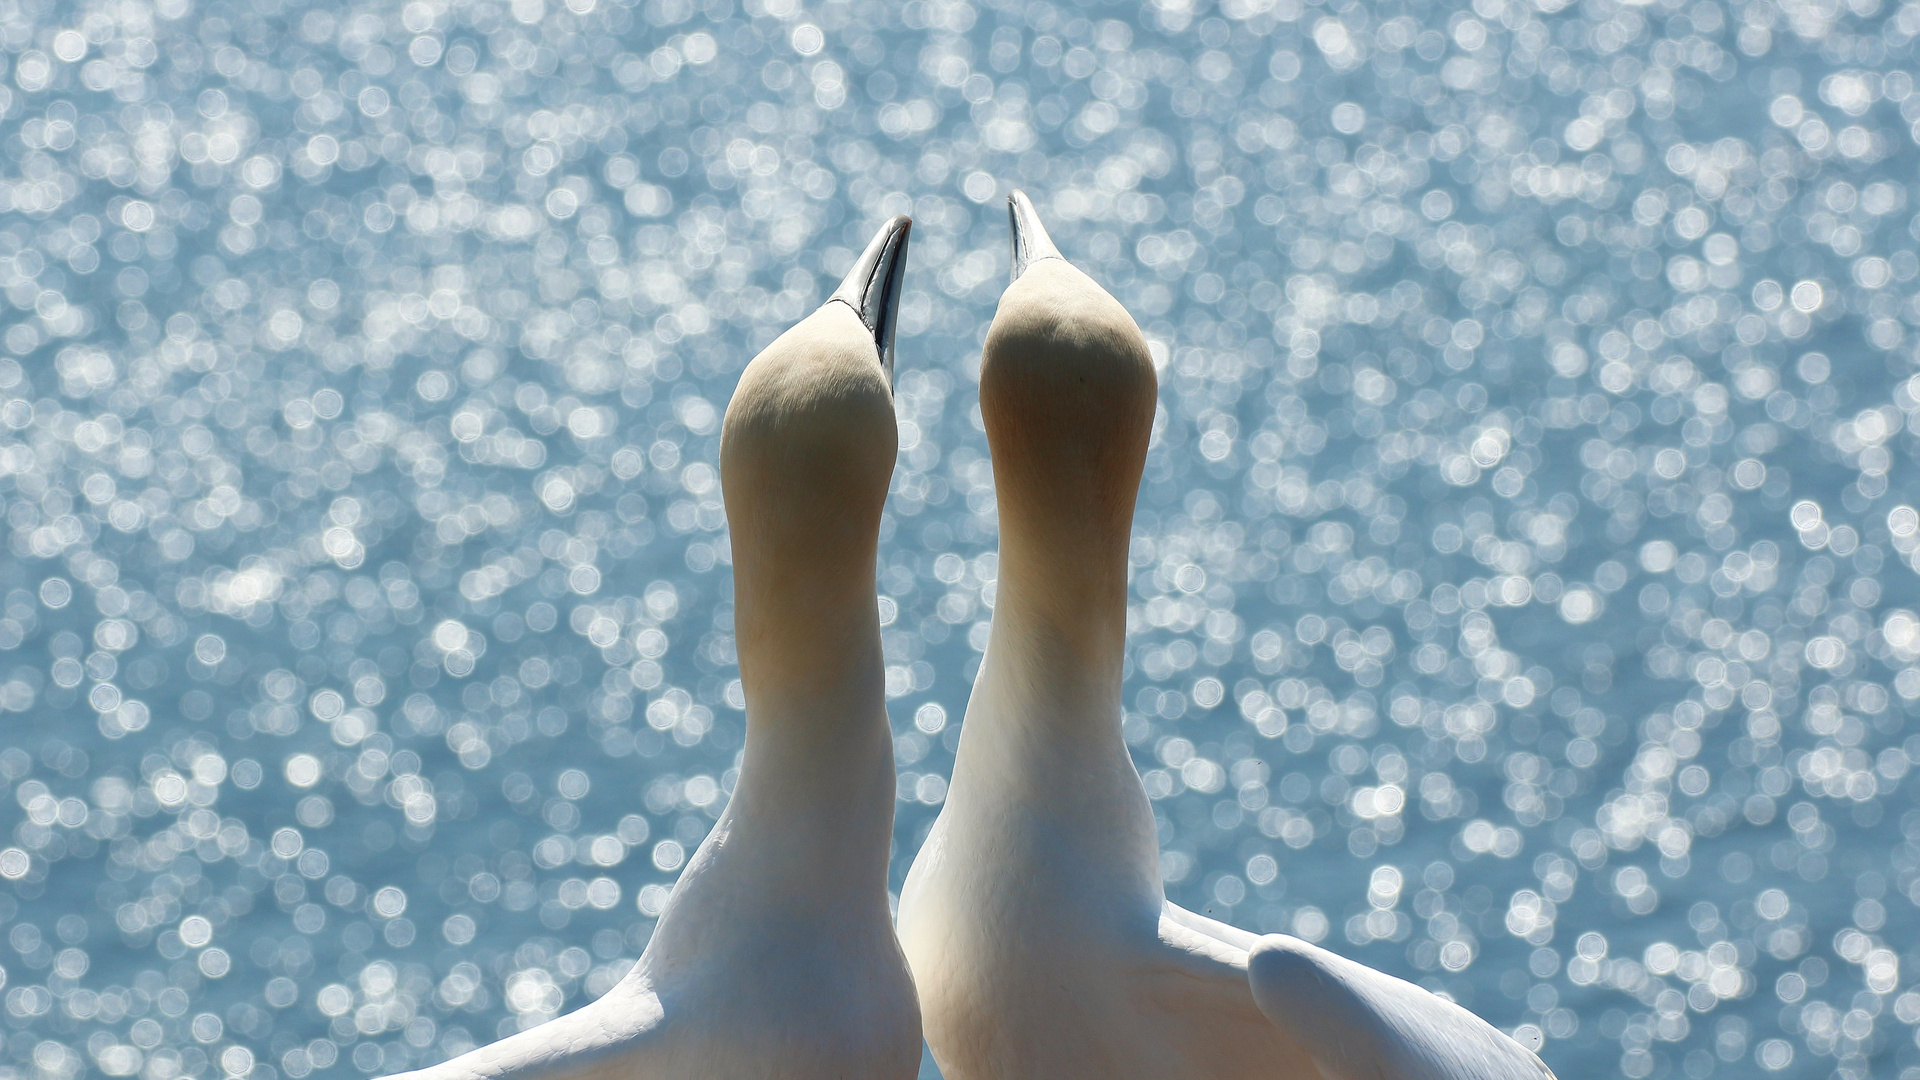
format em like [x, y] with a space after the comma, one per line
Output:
[1523, 594]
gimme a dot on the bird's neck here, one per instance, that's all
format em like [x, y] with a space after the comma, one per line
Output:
[1058, 641]
[816, 790]
[805, 838]
[1060, 605]
[1060, 627]
[1042, 731]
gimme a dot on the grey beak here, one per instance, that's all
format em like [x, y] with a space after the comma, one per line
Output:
[1030, 240]
[872, 288]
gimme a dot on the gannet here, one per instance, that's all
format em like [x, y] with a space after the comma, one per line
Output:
[1034, 916]
[775, 955]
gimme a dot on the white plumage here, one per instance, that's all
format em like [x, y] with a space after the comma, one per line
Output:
[775, 956]
[1034, 917]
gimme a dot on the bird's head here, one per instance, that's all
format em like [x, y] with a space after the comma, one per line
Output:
[1067, 389]
[809, 441]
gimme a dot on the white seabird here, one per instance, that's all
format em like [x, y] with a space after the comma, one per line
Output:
[1034, 916]
[775, 955]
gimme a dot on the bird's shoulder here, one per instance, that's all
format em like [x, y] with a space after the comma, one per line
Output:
[1362, 1024]
[611, 1036]
[1193, 977]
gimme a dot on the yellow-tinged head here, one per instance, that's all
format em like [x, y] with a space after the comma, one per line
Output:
[1067, 390]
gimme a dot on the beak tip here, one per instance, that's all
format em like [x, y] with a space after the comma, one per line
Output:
[873, 287]
[1030, 240]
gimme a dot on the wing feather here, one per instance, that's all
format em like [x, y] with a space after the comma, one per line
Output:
[1196, 980]
[1361, 1024]
[1242, 940]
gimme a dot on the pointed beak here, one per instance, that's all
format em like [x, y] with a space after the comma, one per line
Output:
[873, 287]
[1030, 240]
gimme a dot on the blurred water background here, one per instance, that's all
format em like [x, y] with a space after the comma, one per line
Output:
[1523, 580]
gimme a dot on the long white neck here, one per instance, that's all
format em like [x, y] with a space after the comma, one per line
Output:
[1059, 625]
[804, 841]
[818, 766]
[805, 455]
[1042, 731]
[1067, 390]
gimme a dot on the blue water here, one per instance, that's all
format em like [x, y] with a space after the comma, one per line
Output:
[1523, 578]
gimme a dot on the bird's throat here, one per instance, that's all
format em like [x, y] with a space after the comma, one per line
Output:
[817, 769]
